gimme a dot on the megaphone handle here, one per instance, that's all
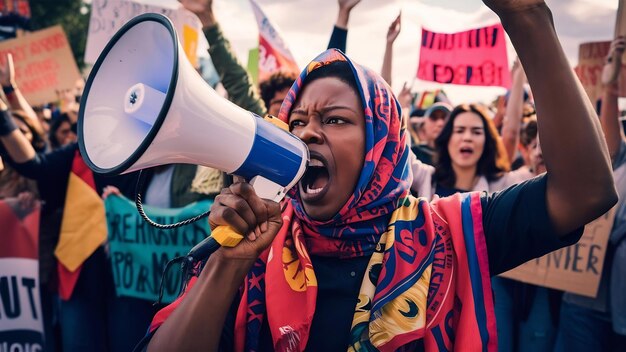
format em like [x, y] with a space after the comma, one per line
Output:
[226, 236]
[221, 236]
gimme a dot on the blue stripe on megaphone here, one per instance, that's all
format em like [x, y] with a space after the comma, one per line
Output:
[274, 155]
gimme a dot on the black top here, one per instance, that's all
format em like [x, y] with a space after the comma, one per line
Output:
[338, 39]
[517, 228]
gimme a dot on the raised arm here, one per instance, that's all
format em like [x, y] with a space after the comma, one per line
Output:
[14, 96]
[515, 108]
[392, 34]
[13, 140]
[609, 111]
[339, 37]
[233, 75]
[580, 183]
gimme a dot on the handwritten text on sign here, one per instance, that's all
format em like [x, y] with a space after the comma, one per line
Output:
[108, 16]
[577, 268]
[139, 252]
[43, 64]
[477, 57]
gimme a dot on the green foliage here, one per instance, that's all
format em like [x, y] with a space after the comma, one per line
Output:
[67, 13]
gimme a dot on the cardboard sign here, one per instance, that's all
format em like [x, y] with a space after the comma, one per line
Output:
[476, 57]
[274, 55]
[577, 268]
[43, 64]
[591, 60]
[139, 252]
[108, 16]
[21, 322]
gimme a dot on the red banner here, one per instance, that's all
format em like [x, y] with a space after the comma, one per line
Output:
[274, 55]
[477, 57]
[21, 324]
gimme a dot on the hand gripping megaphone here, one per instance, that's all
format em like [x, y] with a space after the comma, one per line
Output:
[144, 105]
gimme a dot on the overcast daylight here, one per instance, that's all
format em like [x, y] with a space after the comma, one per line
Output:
[306, 26]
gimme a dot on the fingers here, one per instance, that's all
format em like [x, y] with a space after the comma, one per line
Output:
[405, 88]
[26, 200]
[110, 190]
[10, 62]
[240, 207]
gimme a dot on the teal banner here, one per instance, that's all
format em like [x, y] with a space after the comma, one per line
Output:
[139, 252]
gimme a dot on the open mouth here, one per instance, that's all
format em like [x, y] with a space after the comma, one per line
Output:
[315, 181]
[467, 151]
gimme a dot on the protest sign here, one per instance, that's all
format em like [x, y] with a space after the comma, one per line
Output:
[21, 324]
[577, 268]
[274, 55]
[477, 57]
[108, 16]
[43, 64]
[139, 252]
[591, 60]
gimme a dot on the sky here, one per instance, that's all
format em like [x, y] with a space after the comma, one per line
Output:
[306, 25]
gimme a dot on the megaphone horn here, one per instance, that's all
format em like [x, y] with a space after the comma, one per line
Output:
[144, 105]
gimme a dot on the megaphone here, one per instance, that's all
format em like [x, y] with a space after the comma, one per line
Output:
[144, 105]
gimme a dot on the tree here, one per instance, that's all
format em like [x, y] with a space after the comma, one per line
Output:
[72, 15]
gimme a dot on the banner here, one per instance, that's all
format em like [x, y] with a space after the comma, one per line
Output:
[477, 57]
[43, 64]
[577, 268]
[591, 60]
[21, 322]
[108, 16]
[253, 65]
[273, 52]
[139, 252]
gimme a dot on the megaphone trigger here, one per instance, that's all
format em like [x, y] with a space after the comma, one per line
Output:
[221, 236]
[226, 236]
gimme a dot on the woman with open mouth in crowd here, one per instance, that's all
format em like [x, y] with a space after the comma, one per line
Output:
[353, 262]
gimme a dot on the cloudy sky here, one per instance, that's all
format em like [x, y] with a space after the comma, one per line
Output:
[306, 26]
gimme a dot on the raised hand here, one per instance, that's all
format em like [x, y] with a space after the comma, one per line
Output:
[610, 72]
[259, 220]
[394, 29]
[201, 8]
[405, 96]
[347, 4]
[7, 72]
[508, 6]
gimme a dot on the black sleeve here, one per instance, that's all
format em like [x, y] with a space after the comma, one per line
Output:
[338, 39]
[53, 166]
[227, 340]
[517, 226]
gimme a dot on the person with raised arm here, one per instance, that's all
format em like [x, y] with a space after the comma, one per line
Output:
[351, 261]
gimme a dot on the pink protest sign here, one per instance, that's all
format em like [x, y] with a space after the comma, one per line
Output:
[476, 57]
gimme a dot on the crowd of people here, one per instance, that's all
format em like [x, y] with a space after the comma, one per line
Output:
[395, 236]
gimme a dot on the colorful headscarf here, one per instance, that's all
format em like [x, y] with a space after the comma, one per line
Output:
[378, 220]
[427, 277]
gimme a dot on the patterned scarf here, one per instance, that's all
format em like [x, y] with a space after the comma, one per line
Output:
[409, 293]
[428, 274]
